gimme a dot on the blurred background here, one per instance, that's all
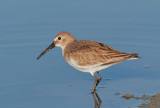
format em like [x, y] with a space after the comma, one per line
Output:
[27, 27]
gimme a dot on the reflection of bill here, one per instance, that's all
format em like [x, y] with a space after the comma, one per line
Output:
[97, 100]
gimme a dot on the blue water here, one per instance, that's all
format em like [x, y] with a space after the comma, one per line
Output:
[27, 27]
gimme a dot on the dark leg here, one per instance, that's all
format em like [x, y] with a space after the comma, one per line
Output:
[95, 83]
[99, 77]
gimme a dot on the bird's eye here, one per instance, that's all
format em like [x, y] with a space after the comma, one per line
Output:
[59, 38]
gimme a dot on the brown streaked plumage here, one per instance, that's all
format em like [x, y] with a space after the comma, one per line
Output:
[88, 56]
[91, 53]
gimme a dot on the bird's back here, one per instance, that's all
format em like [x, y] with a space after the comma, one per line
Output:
[87, 53]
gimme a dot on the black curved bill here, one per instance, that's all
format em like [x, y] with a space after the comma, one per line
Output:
[46, 50]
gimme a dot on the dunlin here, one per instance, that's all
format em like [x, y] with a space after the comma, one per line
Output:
[88, 56]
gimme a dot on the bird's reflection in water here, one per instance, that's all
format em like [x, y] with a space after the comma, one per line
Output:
[97, 100]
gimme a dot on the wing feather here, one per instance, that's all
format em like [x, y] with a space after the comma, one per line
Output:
[92, 53]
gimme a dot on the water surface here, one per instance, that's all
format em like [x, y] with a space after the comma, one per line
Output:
[28, 27]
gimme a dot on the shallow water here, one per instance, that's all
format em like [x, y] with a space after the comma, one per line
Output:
[28, 27]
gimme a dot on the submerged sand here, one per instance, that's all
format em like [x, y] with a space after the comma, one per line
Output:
[151, 101]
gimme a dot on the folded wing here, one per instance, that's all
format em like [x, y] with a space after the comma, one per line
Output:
[95, 53]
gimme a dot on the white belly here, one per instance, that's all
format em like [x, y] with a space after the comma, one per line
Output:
[90, 68]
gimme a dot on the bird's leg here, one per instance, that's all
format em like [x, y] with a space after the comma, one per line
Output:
[95, 83]
[99, 77]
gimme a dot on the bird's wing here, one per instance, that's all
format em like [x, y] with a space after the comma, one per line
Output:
[93, 53]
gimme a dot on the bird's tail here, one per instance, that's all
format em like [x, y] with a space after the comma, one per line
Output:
[134, 56]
